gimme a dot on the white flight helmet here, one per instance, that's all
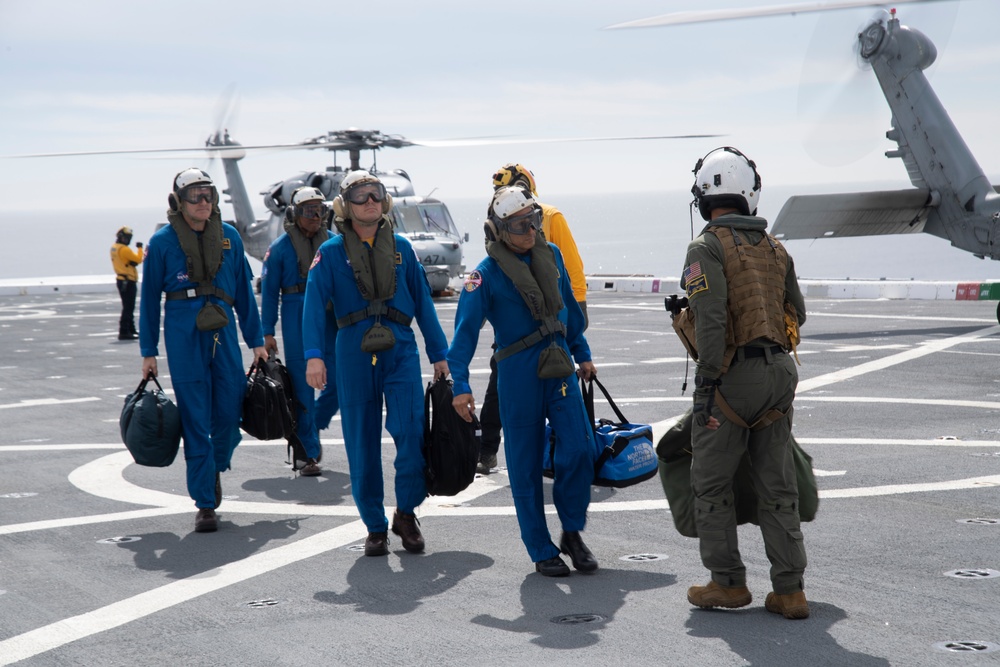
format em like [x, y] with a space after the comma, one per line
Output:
[503, 220]
[185, 180]
[357, 178]
[192, 176]
[302, 196]
[510, 199]
[726, 178]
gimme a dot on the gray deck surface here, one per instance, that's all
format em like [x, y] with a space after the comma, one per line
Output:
[899, 405]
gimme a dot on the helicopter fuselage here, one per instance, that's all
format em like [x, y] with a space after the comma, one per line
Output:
[426, 222]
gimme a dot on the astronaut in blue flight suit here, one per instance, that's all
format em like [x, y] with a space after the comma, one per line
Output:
[378, 287]
[523, 289]
[198, 262]
[283, 277]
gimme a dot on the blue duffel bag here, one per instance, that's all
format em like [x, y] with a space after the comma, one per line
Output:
[624, 454]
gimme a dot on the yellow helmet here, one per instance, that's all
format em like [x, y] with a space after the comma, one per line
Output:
[514, 174]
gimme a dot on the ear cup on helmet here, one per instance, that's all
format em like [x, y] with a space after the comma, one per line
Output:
[339, 209]
[290, 213]
[173, 203]
[387, 204]
[490, 230]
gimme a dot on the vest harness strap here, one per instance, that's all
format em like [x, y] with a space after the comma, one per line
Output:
[769, 417]
[374, 309]
[294, 289]
[201, 290]
[551, 326]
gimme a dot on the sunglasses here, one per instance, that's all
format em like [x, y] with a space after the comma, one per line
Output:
[522, 224]
[198, 195]
[363, 192]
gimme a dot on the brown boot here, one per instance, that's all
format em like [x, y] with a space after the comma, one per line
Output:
[792, 605]
[206, 521]
[715, 595]
[406, 526]
[377, 544]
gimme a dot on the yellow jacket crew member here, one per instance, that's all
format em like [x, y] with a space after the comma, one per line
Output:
[740, 283]
[124, 260]
[555, 230]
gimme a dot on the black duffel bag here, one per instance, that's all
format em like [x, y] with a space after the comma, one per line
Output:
[451, 449]
[267, 413]
[151, 426]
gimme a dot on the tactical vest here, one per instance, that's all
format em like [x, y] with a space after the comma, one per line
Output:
[755, 283]
[755, 280]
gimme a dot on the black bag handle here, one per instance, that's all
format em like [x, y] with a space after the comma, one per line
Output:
[587, 388]
[142, 385]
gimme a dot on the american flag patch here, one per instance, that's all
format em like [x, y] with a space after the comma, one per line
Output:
[692, 271]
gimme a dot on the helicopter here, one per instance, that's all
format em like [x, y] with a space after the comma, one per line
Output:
[425, 221]
[951, 197]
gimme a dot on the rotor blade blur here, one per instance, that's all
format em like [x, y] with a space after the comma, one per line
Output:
[224, 151]
[220, 151]
[710, 15]
[453, 143]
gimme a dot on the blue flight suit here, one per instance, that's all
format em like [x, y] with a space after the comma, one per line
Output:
[526, 400]
[281, 272]
[206, 367]
[364, 378]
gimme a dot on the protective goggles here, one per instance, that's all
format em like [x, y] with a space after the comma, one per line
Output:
[522, 224]
[195, 195]
[312, 210]
[360, 194]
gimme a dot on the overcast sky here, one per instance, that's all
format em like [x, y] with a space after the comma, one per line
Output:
[106, 75]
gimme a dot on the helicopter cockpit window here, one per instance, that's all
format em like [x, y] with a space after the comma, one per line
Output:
[432, 218]
[436, 219]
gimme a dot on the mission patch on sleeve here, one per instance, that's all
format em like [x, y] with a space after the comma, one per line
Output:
[473, 281]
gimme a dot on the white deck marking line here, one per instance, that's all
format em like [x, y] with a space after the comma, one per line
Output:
[955, 403]
[35, 402]
[60, 633]
[922, 350]
[68, 522]
[898, 441]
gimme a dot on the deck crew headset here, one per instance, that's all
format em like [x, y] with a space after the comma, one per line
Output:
[726, 178]
[356, 179]
[515, 174]
[186, 179]
[300, 198]
[507, 201]
[124, 235]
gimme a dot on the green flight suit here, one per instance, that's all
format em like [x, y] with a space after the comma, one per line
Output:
[757, 380]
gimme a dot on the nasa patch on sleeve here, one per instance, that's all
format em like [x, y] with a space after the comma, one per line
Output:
[473, 281]
[315, 260]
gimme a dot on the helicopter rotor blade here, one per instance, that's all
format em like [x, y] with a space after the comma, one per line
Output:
[226, 151]
[838, 96]
[710, 15]
[491, 141]
[841, 107]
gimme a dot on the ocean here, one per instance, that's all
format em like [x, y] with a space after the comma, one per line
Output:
[617, 234]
